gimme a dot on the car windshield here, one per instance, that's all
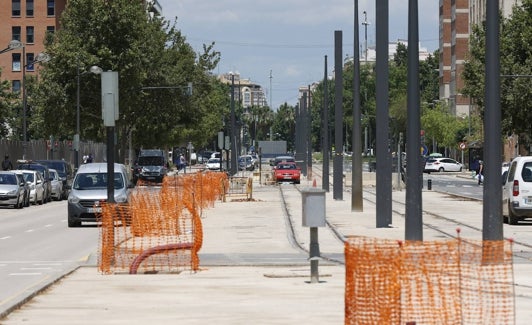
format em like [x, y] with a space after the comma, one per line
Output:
[151, 161]
[57, 165]
[29, 177]
[53, 175]
[287, 166]
[8, 179]
[213, 161]
[90, 181]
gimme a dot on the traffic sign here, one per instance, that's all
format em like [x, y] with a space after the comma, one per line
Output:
[424, 150]
[462, 145]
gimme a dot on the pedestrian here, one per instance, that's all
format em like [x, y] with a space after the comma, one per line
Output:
[182, 162]
[480, 172]
[6, 164]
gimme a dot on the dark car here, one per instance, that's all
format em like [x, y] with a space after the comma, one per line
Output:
[150, 166]
[26, 186]
[45, 172]
[64, 169]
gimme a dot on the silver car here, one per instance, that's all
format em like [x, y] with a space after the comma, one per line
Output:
[36, 183]
[89, 190]
[11, 190]
[57, 185]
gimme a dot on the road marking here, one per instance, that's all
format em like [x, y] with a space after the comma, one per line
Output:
[30, 230]
[17, 274]
[48, 225]
[35, 268]
[6, 237]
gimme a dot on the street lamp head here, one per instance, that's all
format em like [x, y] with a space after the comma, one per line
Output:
[96, 69]
[42, 57]
[15, 44]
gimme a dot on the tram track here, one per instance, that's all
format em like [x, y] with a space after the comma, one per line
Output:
[522, 249]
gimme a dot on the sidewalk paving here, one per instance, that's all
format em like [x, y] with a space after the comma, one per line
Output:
[250, 271]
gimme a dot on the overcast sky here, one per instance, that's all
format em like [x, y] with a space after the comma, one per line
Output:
[288, 37]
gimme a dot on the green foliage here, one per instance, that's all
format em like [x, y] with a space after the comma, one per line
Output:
[516, 69]
[10, 104]
[147, 53]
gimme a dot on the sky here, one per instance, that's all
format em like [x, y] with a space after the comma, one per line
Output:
[281, 44]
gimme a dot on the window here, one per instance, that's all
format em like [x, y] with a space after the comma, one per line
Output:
[15, 33]
[30, 58]
[16, 62]
[30, 34]
[50, 29]
[29, 8]
[15, 8]
[15, 85]
[50, 7]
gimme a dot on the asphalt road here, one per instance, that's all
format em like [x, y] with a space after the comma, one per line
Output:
[36, 246]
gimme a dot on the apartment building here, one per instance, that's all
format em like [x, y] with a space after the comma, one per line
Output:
[27, 22]
[245, 92]
[456, 20]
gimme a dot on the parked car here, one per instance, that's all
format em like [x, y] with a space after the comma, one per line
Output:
[517, 191]
[45, 173]
[89, 190]
[57, 185]
[442, 165]
[287, 172]
[151, 165]
[65, 171]
[11, 190]
[27, 189]
[36, 183]
[246, 163]
[213, 164]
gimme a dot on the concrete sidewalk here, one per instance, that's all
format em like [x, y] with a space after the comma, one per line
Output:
[251, 272]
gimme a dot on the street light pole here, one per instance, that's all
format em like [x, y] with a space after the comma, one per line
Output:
[76, 136]
[233, 126]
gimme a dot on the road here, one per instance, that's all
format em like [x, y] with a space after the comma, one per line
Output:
[461, 184]
[36, 246]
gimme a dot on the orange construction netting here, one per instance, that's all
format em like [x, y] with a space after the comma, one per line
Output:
[431, 282]
[160, 228]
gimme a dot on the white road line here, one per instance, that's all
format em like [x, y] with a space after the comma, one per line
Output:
[30, 230]
[17, 274]
[6, 237]
[35, 268]
[48, 226]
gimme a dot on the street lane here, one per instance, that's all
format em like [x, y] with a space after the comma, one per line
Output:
[36, 246]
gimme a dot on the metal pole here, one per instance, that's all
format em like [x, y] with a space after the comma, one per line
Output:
[356, 168]
[414, 176]
[110, 164]
[233, 127]
[384, 163]
[492, 209]
[314, 255]
[309, 136]
[325, 119]
[76, 154]
[338, 117]
[24, 103]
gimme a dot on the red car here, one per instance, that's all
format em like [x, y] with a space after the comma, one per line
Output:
[287, 172]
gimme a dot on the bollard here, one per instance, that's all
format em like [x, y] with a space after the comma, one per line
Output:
[429, 184]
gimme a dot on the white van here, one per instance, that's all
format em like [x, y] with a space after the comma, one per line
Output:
[89, 189]
[517, 190]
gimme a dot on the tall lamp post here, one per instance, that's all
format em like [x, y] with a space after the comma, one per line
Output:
[233, 126]
[96, 70]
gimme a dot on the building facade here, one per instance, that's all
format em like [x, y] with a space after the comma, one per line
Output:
[246, 92]
[457, 17]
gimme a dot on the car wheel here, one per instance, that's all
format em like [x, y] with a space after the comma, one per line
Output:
[512, 218]
[441, 170]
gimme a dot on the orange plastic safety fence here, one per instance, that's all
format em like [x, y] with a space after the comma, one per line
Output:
[158, 217]
[431, 282]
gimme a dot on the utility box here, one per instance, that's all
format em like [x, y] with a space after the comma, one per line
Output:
[313, 207]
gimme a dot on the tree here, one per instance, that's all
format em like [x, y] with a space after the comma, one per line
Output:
[516, 69]
[9, 102]
[119, 36]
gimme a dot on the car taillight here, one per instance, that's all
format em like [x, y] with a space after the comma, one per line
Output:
[515, 188]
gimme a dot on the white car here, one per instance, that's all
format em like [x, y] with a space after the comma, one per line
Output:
[57, 185]
[213, 164]
[442, 165]
[36, 183]
[517, 190]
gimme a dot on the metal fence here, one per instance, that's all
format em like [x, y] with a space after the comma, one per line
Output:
[43, 149]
